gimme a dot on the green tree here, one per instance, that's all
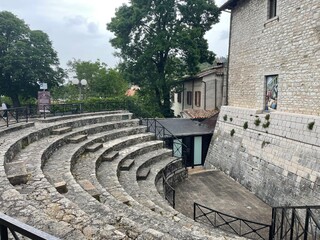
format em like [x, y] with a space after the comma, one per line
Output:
[26, 58]
[102, 81]
[161, 41]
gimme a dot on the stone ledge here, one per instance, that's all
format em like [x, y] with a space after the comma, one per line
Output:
[17, 173]
[62, 130]
[88, 187]
[94, 147]
[77, 139]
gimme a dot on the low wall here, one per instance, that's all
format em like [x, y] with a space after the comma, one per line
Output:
[279, 160]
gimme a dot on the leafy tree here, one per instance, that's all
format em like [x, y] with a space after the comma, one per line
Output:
[102, 81]
[161, 41]
[26, 57]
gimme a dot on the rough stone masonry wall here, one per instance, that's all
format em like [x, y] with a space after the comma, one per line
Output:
[287, 45]
[280, 163]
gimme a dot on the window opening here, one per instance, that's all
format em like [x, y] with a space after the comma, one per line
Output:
[198, 98]
[189, 97]
[272, 8]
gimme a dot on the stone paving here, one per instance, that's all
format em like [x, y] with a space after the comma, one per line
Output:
[219, 192]
[122, 212]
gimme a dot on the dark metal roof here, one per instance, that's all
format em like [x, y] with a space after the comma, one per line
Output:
[185, 127]
[230, 4]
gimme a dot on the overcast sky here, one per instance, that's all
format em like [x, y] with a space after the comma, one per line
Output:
[77, 28]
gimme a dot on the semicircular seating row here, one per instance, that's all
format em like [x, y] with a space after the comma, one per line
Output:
[91, 176]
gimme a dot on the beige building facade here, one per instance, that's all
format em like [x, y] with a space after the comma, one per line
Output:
[203, 94]
[268, 137]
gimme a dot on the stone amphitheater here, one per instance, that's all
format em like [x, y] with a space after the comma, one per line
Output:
[91, 176]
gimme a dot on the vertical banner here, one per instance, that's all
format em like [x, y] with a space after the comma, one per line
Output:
[44, 101]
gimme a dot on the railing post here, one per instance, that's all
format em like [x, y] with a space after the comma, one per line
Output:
[293, 216]
[282, 219]
[44, 111]
[174, 199]
[155, 128]
[6, 113]
[27, 114]
[273, 224]
[306, 227]
[194, 211]
[3, 232]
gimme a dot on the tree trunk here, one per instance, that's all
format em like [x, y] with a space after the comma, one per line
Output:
[15, 99]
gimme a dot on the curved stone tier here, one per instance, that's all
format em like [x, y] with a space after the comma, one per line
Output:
[70, 176]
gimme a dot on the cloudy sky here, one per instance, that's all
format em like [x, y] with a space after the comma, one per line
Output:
[77, 28]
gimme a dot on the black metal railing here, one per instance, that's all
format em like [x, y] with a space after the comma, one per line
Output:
[300, 222]
[173, 173]
[13, 115]
[176, 170]
[12, 228]
[226, 222]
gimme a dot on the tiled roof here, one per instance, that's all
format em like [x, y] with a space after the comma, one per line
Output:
[200, 113]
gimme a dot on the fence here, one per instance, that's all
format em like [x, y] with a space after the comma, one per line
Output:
[301, 222]
[24, 114]
[175, 171]
[16, 228]
[236, 225]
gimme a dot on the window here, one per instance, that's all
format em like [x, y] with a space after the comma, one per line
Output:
[189, 98]
[271, 92]
[197, 100]
[179, 97]
[272, 9]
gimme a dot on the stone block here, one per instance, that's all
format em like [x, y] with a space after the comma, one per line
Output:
[59, 131]
[143, 174]
[94, 147]
[77, 139]
[17, 173]
[110, 156]
[88, 187]
[61, 186]
[127, 164]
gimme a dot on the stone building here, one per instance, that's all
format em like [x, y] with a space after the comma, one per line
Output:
[274, 61]
[202, 95]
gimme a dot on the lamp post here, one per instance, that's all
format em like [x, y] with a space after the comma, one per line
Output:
[80, 83]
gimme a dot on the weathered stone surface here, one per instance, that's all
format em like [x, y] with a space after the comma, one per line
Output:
[61, 130]
[77, 139]
[94, 147]
[127, 164]
[110, 156]
[17, 172]
[61, 187]
[143, 174]
[88, 186]
[280, 164]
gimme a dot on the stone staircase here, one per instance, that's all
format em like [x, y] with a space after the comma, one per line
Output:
[91, 176]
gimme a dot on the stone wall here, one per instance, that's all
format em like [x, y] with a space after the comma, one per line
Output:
[287, 45]
[279, 161]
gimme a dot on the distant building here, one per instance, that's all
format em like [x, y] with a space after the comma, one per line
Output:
[132, 90]
[201, 96]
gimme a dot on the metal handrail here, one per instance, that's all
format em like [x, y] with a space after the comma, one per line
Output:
[236, 225]
[295, 222]
[15, 226]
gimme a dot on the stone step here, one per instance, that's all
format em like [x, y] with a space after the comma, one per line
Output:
[110, 156]
[127, 164]
[143, 174]
[17, 173]
[88, 187]
[61, 186]
[62, 130]
[77, 139]
[94, 147]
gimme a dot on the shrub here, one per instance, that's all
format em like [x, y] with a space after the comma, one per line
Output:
[267, 117]
[310, 125]
[257, 122]
[245, 125]
[232, 132]
[266, 124]
[225, 117]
